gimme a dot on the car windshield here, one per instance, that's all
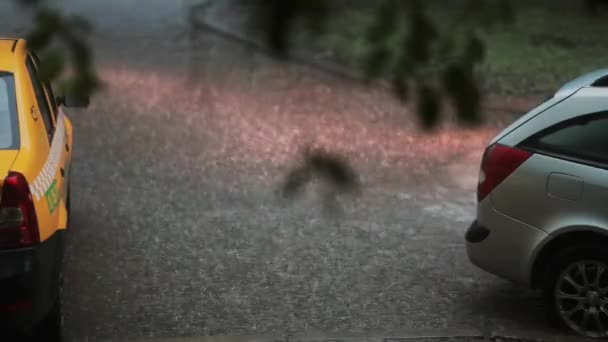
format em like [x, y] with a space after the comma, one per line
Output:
[8, 113]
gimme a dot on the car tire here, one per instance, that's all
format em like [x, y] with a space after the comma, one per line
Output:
[51, 326]
[572, 290]
[50, 329]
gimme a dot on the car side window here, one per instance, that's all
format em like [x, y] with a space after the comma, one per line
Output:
[51, 96]
[43, 105]
[47, 87]
[584, 138]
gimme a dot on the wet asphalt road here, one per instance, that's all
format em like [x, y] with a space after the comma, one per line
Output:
[177, 229]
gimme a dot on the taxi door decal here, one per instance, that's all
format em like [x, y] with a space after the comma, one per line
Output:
[45, 180]
[52, 197]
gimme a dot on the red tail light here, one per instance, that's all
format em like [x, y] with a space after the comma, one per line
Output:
[18, 306]
[498, 163]
[18, 223]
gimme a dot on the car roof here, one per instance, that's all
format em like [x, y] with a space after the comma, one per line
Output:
[10, 50]
[581, 82]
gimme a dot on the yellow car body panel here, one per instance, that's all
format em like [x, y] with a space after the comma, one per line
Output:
[7, 157]
[42, 160]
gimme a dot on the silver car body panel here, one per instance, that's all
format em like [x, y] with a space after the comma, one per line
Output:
[581, 81]
[523, 216]
[526, 195]
[508, 249]
[546, 196]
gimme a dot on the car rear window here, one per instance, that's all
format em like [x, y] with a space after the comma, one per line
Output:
[582, 138]
[9, 132]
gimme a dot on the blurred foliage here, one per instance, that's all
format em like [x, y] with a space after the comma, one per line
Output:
[421, 55]
[431, 61]
[62, 47]
[593, 6]
[326, 168]
[321, 165]
[532, 57]
[424, 61]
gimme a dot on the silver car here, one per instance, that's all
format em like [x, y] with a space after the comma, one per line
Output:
[542, 214]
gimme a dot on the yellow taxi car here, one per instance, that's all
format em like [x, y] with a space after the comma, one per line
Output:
[35, 153]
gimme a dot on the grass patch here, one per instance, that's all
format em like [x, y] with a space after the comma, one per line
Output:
[542, 50]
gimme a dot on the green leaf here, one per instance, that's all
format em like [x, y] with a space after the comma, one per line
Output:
[462, 90]
[377, 62]
[445, 46]
[333, 169]
[295, 182]
[39, 39]
[328, 167]
[422, 34]
[401, 87]
[82, 85]
[402, 74]
[428, 106]
[506, 11]
[474, 49]
[51, 28]
[51, 66]
[49, 20]
[385, 23]
[280, 24]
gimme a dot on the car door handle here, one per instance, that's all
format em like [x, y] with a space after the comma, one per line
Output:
[62, 172]
[34, 113]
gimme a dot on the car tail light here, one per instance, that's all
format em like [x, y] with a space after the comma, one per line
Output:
[498, 163]
[18, 222]
[23, 305]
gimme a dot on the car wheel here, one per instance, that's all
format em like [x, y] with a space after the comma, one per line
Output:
[50, 328]
[575, 290]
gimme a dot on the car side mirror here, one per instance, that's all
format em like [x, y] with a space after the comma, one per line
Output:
[73, 101]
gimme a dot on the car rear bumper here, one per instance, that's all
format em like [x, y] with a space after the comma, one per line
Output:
[29, 283]
[503, 246]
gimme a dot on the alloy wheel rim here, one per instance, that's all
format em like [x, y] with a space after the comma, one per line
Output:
[581, 298]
